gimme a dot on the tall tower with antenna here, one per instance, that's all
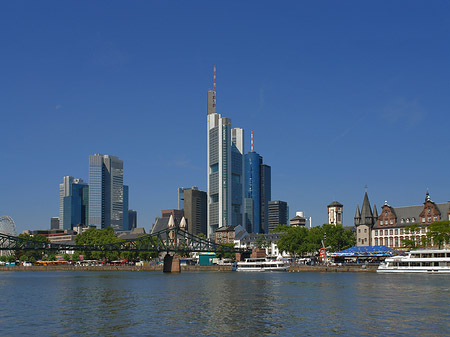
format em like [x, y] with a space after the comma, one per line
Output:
[225, 169]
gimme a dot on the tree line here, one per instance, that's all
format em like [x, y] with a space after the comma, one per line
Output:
[301, 241]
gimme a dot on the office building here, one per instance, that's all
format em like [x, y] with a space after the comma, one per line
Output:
[132, 219]
[225, 169]
[195, 210]
[125, 207]
[257, 192]
[54, 223]
[73, 202]
[278, 214]
[106, 192]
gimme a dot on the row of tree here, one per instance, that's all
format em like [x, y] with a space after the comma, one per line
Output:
[300, 241]
[437, 234]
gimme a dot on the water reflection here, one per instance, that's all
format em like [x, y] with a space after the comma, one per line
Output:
[222, 304]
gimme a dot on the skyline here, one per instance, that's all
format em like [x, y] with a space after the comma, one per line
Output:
[339, 96]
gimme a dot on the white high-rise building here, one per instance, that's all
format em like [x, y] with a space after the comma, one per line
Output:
[106, 192]
[225, 169]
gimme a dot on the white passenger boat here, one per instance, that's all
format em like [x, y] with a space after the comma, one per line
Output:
[418, 261]
[260, 264]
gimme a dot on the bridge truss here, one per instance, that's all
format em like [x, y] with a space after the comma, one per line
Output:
[167, 240]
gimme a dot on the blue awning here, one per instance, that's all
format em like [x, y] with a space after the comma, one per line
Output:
[366, 251]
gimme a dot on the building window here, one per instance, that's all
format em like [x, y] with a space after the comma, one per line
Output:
[423, 219]
[385, 213]
[391, 242]
[381, 241]
[392, 222]
[396, 232]
[423, 230]
[435, 218]
[413, 219]
[391, 232]
[365, 230]
[402, 220]
[401, 231]
[385, 232]
[376, 233]
[396, 241]
[359, 230]
[429, 219]
[407, 220]
[359, 239]
[429, 210]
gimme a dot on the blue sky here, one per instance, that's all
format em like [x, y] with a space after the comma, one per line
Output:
[339, 94]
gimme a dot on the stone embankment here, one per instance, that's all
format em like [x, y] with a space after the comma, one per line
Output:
[353, 268]
[115, 268]
[293, 268]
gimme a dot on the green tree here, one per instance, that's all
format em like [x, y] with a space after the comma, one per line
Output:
[439, 233]
[3, 258]
[36, 254]
[261, 241]
[76, 256]
[228, 255]
[412, 242]
[66, 257]
[94, 236]
[201, 235]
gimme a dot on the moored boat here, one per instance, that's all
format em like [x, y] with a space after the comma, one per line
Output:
[418, 261]
[260, 264]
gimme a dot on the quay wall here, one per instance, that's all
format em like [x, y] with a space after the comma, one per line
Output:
[114, 268]
[293, 268]
[305, 268]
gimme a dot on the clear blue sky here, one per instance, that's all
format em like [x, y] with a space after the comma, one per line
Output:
[339, 94]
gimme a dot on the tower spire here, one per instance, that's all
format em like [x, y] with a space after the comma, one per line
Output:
[214, 89]
[252, 142]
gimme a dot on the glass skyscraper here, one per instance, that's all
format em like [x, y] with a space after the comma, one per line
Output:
[225, 170]
[258, 189]
[73, 204]
[106, 192]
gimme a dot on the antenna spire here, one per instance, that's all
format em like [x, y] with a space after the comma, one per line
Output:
[214, 90]
[252, 142]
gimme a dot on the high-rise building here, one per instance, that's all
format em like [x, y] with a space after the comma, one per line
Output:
[225, 169]
[125, 207]
[278, 213]
[73, 204]
[258, 189]
[54, 223]
[106, 192]
[132, 219]
[195, 210]
[177, 215]
[266, 195]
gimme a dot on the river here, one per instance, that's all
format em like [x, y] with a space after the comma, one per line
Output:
[73, 303]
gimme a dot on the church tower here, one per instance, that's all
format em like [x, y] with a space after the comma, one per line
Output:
[364, 222]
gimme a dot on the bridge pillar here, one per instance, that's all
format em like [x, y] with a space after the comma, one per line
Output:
[171, 264]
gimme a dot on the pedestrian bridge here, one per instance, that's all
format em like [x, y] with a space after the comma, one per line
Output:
[170, 240]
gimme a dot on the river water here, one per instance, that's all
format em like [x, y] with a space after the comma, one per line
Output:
[73, 303]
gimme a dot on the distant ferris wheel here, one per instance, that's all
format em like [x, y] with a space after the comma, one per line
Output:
[7, 225]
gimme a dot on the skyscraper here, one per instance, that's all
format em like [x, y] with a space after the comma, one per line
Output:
[106, 192]
[278, 213]
[258, 189]
[195, 210]
[132, 219]
[225, 169]
[73, 204]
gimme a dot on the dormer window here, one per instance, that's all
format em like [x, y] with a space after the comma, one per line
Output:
[385, 213]
[407, 220]
[402, 220]
[429, 209]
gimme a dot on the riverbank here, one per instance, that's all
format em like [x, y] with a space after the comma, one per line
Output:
[353, 269]
[293, 268]
[113, 268]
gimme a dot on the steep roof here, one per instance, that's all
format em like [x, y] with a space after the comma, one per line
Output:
[366, 212]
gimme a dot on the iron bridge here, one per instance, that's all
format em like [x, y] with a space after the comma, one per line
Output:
[167, 240]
